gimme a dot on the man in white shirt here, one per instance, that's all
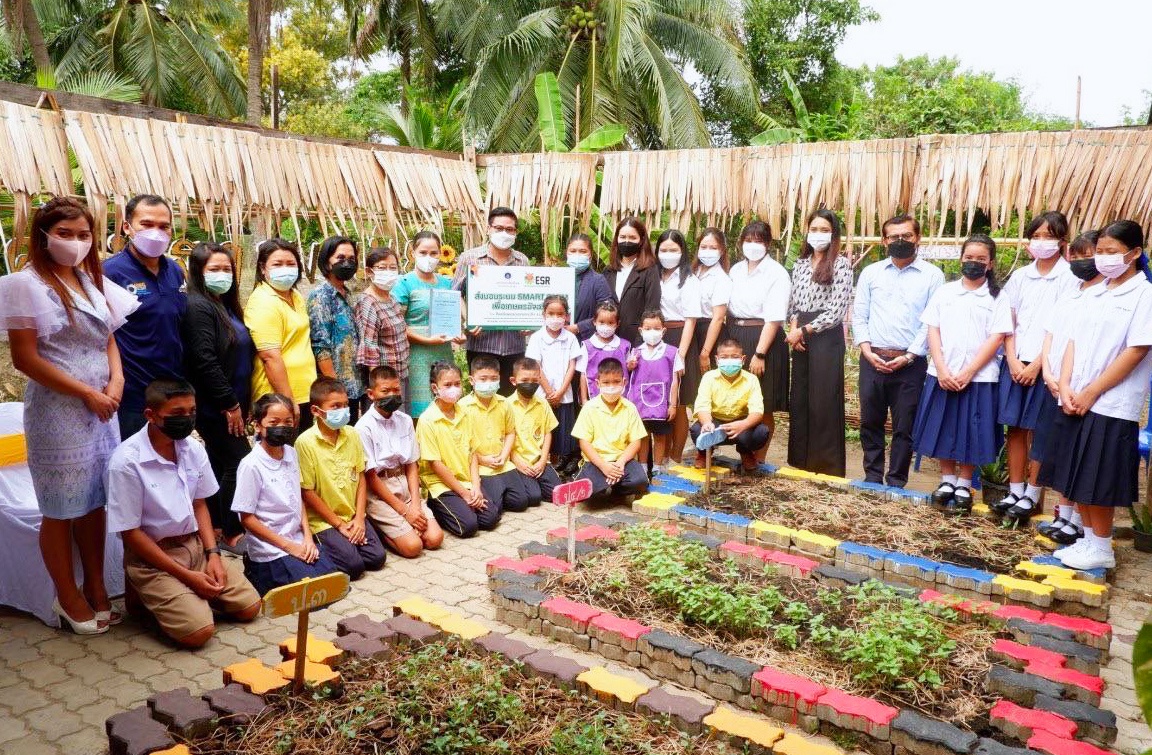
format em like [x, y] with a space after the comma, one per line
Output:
[890, 297]
[157, 482]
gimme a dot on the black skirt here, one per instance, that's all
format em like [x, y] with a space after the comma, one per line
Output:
[774, 381]
[816, 403]
[1093, 460]
[688, 386]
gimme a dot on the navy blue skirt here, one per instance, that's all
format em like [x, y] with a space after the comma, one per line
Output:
[267, 575]
[1020, 405]
[957, 425]
[1093, 460]
[1042, 433]
[562, 441]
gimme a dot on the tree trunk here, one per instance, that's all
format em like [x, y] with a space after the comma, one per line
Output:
[259, 29]
[35, 37]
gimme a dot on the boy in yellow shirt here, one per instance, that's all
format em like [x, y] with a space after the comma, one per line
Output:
[729, 399]
[495, 432]
[332, 483]
[609, 429]
[534, 421]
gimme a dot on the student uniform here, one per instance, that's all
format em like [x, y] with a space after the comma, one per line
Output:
[1032, 297]
[650, 383]
[1094, 459]
[451, 442]
[961, 425]
[759, 296]
[679, 303]
[555, 355]
[389, 446]
[610, 430]
[490, 425]
[594, 351]
[270, 489]
[715, 291]
[731, 401]
[533, 420]
[333, 471]
[1057, 325]
[150, 493]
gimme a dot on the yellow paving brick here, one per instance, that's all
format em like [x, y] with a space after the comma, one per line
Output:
[777, 534]
[1040, 571]
[813, 542]
[606, 685]
[419, 608]
[980, 509]
[1044, 542]
[255, 677]
[754, 729]
[315, 674]
[176, 750]
[837, 482]
[319, 651]
[792, 473]
[794, 744]
[461, 627]
[1022, 589]
[1078, 590]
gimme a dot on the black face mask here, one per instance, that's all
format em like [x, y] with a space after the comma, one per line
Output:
[388, 404]
[973, 271]
[178, 427]
[281, 435]
[628, 248]
[1085, 269]
[344, 270]
[527, 390]
[901, 250]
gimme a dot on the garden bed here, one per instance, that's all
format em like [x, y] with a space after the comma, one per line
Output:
[866, 640]
[862, 517]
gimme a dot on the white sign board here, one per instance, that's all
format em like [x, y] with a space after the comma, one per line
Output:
[512, 298]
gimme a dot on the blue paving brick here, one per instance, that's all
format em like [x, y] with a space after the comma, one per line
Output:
[976, 575]
[734, 519]
[866, 551]
[675, 484]
[1053, 561]
[767, 468]
[875, 487]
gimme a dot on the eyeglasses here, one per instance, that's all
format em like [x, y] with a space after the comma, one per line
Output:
[899, 237]
[505, 228]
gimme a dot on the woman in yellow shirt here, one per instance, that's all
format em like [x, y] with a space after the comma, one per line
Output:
[277, 317]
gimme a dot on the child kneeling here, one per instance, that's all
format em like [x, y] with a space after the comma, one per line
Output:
[157, 483]
[610, 432]
[494, 433]
[535, 422]
[281, 549]
[394, 502]
[332, 483]
[729, 399]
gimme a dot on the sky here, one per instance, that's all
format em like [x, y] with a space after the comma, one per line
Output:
[1042, 44]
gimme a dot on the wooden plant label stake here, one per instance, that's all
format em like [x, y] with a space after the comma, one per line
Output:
[301, 598]
[706, 442]
[569, 494]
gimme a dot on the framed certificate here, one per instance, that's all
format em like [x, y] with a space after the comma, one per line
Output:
[512, 298]
[444, 313]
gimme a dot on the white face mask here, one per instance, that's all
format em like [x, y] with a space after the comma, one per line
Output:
[708, 257]
[669, 260]
[384, 279]
[754, 250]
[553, 323]
[502, 239]
[605, 331]
[68, 252]
[1111, 266]
[1043, 249]
[427, 264]
[652, 337]
[612, 390]
[819, 241]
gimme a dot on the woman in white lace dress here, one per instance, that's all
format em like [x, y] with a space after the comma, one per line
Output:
[59, 315]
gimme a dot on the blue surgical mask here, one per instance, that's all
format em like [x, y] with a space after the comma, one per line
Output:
[486, 389]
[579, 262]
[729, 367]
[283, 278]
[218, 283]
[337, 418]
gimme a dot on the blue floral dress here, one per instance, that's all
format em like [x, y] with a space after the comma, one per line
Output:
[333, 325]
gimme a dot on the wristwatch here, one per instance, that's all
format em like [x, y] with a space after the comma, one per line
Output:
[210, 551]
[762, 355]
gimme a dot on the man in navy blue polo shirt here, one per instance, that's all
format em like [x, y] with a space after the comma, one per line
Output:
[149, 342]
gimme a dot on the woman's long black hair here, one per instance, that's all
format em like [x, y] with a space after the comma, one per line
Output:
[677, 238]
[987, 242]
[227, 303]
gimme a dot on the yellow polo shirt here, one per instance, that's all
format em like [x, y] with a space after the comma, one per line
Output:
[728, 400]
[533, 421]
[610, 430]
[275, 325]
[449, 441]
[490, 425]
[332, 470]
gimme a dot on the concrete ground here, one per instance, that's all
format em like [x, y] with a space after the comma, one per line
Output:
[58, 689]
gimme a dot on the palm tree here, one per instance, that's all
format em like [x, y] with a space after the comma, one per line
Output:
[404, 27]
[259, 32]
[21, 21]
[166, 47]
[628, 56]
[427, 124]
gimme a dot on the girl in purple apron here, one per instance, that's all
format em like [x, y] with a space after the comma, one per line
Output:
[602, 344]
[654, 387]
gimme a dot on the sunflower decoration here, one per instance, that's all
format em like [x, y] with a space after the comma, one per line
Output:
[447, 254]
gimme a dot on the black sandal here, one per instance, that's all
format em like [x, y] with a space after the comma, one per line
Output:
[1005, 503]
[942, 495]
[962, 500]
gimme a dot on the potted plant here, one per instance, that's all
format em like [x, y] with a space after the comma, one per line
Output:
[1142, 520]
[994, 478]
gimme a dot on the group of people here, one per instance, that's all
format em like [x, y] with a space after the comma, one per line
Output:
[366, 439]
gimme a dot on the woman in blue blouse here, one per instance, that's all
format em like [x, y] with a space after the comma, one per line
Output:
[332, 320]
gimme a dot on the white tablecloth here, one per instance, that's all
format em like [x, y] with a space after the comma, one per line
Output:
[24, 582]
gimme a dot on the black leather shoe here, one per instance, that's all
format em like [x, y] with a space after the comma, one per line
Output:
[942, 495]
[962, 500]
[1005, 503]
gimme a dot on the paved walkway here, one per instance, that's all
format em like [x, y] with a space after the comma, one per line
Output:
[58, 689]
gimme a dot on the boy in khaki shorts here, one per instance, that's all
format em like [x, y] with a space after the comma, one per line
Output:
[157, 482]
[395, 505]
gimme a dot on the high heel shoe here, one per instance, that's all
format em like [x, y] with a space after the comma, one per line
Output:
[91, 626]
[106, 617]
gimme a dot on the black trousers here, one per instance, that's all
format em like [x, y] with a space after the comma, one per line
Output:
[816, 403]
[455, 516]
[351, 559]
[634, 481]
[898, 393]
[506, 363]
[225, 452]
[748, 442]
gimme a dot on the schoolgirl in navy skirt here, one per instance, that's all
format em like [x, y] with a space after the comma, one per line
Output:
[1066, 527]
[1094, 460]
[1032, 293]
[956, 419]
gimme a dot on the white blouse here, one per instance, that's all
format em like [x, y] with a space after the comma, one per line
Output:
[715, 289]
[1032, 297]
[759, 294]
[28, 303]
[966, 319]
[680, 302]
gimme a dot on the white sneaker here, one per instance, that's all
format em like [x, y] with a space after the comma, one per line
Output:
[1079, 545]
[1090, 558]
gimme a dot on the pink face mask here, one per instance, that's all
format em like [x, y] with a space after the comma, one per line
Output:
[151, 242]
[68, 252]
[449, 395]
[1042, 249]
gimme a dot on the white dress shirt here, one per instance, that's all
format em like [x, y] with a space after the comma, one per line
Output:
[889, 302]
[966, 319]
